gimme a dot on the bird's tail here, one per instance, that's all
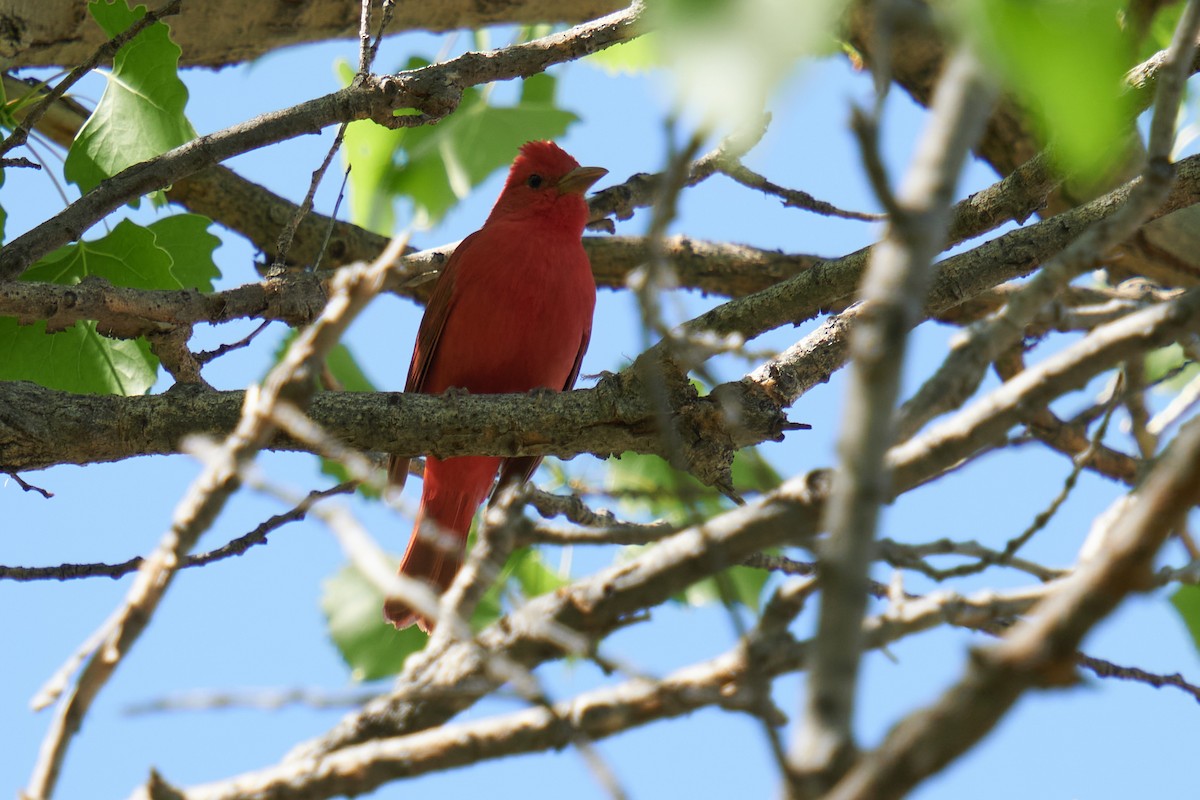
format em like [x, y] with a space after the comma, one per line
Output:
[452, 492]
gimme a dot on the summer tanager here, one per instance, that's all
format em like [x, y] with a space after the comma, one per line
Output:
[511, 312]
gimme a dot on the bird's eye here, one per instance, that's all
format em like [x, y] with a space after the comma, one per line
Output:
[534, 181]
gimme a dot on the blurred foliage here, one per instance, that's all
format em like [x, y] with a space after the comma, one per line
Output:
[433, 167]
[354, 615]
[726, 56]
[373, 649]
[1161, 29]
[1170, 366]
[1186, 600]
[629, 58]
[1065, 60]
[650, 488]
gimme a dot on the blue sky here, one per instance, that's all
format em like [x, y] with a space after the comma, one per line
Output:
[253, 622]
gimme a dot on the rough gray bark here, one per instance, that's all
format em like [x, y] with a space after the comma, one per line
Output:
[219, 33]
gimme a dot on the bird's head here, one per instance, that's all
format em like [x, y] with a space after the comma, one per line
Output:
[546, 183]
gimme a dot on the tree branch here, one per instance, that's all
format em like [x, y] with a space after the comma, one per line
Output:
[1040, 651]
[892, 297]
[219, 33]
[433, 90]
[193, 515]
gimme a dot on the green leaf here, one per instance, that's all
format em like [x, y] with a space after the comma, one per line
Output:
[538, 90]
[1161, 29]
[527, 568]
[346, 371]
[186, 239]
[446, 161]
[141, 113]
[435, 166]
[75, 360]
[649, 485]
[1166, 360]
[1066, 60]
[374, 649]
[353, 613]
[527, 33]
[3, 213]
[369, 150]
[171, 253]
[743, 584]
[532, 573]
[753, 473]
[628, 58]
[7, 119]
[727, 56]
[490, 607]
[1186, 600]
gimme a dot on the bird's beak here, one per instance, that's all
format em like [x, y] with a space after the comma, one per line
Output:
[580, 179]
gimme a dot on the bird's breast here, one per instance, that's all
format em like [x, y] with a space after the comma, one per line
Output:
[522, 306]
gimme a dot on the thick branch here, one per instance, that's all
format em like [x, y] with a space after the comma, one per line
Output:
[40, 427]
[893, 294]
[218, 33]
[297, 297]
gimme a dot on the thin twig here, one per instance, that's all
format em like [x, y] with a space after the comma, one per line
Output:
[1107, 669]
[29, 487]
[289, 231]
[792, 198]
[262, 700]
[235, 547]
[206, 356]
[1041, 649]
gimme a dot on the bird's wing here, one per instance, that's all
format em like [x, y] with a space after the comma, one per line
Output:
[515, 471]
[437, 311]
[434, 322]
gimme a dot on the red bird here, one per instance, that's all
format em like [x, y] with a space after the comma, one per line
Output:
[511, 312]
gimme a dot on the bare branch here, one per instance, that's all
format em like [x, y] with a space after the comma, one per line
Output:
[195, 513]
[1039, 651]
[1107, 669]
[959, 376]
[235, 547]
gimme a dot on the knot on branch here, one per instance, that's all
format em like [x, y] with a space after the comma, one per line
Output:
[432, 90]
[692, 429]
[622, 200]
[297, 297]
[171, 348]
[753, 412]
